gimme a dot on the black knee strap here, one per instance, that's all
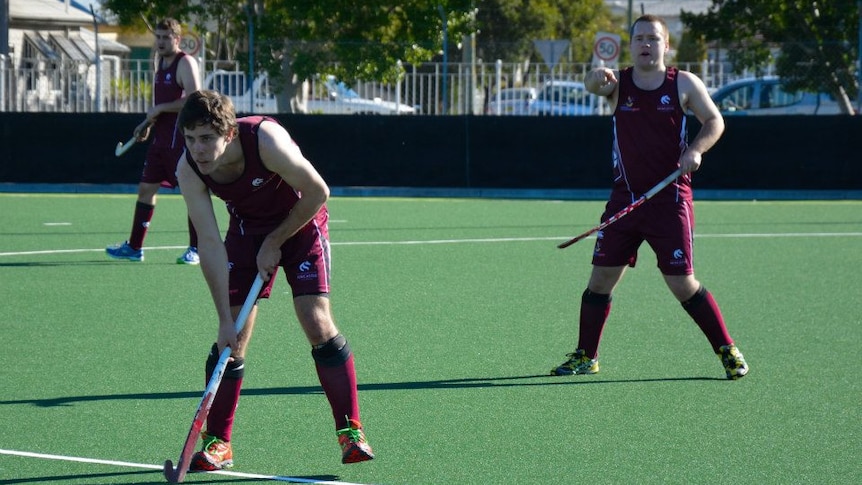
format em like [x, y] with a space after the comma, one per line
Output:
[696, 299]
[235, 368]
[333, 353]
[598, 299]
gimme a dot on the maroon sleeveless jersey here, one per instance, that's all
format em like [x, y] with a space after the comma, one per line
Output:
[165, 90]
[259, 200]
[650, 134]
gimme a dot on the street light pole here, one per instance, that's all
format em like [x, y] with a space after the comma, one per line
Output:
[445, 59]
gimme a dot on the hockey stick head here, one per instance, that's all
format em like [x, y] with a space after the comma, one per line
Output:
[124, 147]
[171, 475]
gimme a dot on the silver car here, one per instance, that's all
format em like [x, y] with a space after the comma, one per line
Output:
[512, 101]
[768, 96]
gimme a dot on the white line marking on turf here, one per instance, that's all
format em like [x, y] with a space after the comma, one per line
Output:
[276, 478]
[56, 223]
[464, 241]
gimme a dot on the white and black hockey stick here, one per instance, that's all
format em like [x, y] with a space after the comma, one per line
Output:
[176, 475]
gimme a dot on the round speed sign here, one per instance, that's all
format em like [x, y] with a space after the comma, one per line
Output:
[190, 44]
[607, 48]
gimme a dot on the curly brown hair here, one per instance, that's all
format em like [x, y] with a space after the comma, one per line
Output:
[207, 107]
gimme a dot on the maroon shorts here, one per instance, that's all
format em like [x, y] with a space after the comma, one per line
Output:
[667, 227]
[305, 258]
[160, 166]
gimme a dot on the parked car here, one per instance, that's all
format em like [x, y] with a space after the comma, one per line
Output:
[564, 98]
[512, 101]
[336, 97]
[340, 99]
[234, 85]
[769, 96]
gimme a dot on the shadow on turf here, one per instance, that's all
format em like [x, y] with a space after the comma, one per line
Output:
[465, 383]
[33, 264]
[157, 478]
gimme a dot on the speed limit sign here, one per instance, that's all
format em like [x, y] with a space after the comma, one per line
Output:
[190, 44]
[606, 49]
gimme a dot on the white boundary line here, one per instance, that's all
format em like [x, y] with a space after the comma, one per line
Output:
[276, 478]
[462, 241]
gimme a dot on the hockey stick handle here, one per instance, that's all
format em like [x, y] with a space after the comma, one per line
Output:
[619, 215]
[664, 183]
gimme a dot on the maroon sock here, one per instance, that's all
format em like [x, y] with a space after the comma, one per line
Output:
[220, 418]
[193, 235]
[595, 308]
[140, 224]
[339, 385]
[705, 312]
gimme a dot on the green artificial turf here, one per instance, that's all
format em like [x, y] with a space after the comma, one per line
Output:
[455, 310]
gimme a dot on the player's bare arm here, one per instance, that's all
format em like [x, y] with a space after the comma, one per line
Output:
[213, 256]
[695, 98]
[281, 155]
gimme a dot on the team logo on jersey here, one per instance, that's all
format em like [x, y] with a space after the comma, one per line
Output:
[168, 77]
[665, 103]
[678, 254]
[257, 182]
[628, 104]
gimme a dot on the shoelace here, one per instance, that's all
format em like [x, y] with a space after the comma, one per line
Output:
[210, 441]
[354, 435]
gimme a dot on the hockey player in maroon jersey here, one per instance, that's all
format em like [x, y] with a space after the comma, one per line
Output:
[278, 218]
[176, 77]
[649, 102]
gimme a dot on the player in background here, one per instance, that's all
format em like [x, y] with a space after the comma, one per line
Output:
[278, 218]
[649, 102]
[176, 77]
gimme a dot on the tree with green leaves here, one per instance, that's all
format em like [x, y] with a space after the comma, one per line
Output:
[507, 28]
[816, 42]
[294, 41]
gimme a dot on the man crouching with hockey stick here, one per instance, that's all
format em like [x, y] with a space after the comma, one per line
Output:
[278, 217]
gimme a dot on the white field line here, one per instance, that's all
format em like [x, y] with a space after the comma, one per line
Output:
[462, 241]
[276, 478]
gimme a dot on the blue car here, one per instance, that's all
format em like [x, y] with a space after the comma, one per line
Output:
[768, 96]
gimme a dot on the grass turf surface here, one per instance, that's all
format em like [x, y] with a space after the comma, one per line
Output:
[455, 310]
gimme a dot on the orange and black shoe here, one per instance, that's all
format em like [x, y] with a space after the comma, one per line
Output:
[354, 448]
[216, 454]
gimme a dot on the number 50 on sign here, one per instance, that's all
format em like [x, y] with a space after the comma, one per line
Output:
[606, 50]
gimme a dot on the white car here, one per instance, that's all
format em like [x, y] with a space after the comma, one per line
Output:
[564, 98]
[512, 101]
[768, 96]
[338, 98]
[259, 100]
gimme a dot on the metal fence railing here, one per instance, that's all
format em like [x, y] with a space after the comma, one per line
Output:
[125, 86]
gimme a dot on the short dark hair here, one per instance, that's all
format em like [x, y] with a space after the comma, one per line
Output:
[207, 107]
[171, 25]
[651, 18]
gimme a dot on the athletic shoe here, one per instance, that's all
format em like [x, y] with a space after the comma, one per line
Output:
[578, 363]
[354, 448]
[190, 256]
[216, 454]
[124, 251]
[733, 361]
